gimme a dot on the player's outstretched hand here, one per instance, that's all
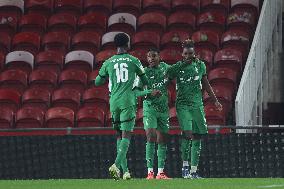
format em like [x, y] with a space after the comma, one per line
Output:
[218, 106]
[156, 92]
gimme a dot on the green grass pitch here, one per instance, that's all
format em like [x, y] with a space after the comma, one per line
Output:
[218, 183]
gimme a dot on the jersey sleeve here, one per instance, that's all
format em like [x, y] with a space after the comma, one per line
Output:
[173, 70]
[139, 68]
[203, 68]
[103, 71]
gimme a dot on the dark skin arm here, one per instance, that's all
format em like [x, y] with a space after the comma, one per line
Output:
[209, 90]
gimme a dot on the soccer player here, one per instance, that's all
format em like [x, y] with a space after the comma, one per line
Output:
[156, 114]
[122, 70]
[190, 74]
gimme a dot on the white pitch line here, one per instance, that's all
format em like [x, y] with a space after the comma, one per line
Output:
[272, 186]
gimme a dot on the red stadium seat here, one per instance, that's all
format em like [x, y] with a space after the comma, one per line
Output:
[108, 40]
[141, 54]
[65, 97]
[161, 6]
[93, 22]
[236, 39]
[212, 21]
[172, 94]
[50, 60]
[153, 22]
[96, 97]
[145, 40]
[139, 118]
[29, 117]
[44, 79]
[87, 41]
[92, 76]
[221, 6]
[242, 20]
[73, 7]
[2, 61]
[170, 56]
[5, 43]
[181, 21]
[62, 22]
[14, 79]
[8, 23]
[229, 58]
[90, 117]
[9, 99]
[37, 98]
[108, 120]
[104, 55]
[79, 60]
[59, 117]
[132, 7]
[26, 41]
[206, 56]
[185, 5]
[44, 7]
[213, 116]
[12, 7]
[56, 41]
[73, 79]
[6, 118]
[173, 117]
[206, 40]
[223, 76]
[124, 22]
[251, 5]
[98, 6]
[33, 22]
[173, 39]
[21, 60]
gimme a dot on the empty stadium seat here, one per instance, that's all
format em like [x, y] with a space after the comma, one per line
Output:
[73, 7]
[5, 43]
[185, 5]
[173, 39]
[92, 76]
[251, 5]
[161, 6]
[229, 58]
[206, 40]
[36, 97]
[62, 22]
[139, 118]
[153, 22]
[44, 7]
[145, 40]
[2, 61]
[29, 117]
[14, 79]
[12, 7]
[213, 116]
[104, 55]
[96, 97]
[206, 56]
[21, 60]
[50, 60]
[79, 60]
[124, 22]
[170, 56]
[141, 54]
[44, 79]
[8, 23]
[9, 99]
[6, 118]
[182, 21]
[108, 40]
[59, 117]
[173, 117]
[65, 97]
[223, 76]
[73, 79]
[26, 41]
[93, 22]
[132, 7]
[221, 6]
[172, 94]
[90, 117]
[101, 6]
[86, 40]
[33, 22]
[56, 41]
[212, 21]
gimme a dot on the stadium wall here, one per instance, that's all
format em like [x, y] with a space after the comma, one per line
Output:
[260, 82]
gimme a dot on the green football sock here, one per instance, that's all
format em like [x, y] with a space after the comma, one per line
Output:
[124, 161]
[150, 150]
[185, 149]
[161, 152]
[195, 152]
[122, 151]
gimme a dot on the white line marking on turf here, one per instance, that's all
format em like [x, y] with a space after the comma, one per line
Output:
[272, 186]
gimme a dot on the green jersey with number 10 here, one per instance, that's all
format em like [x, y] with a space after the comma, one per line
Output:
[122, 70]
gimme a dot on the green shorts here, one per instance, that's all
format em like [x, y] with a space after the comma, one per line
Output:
[124, 119]
[192, 119]
[153, 119]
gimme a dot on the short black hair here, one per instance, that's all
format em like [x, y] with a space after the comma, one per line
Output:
[153, 49]
[121, 40]
[188, 43]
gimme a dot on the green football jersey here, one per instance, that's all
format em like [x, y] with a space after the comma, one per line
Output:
[189, 86]
[122, 70]
[157, 80]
